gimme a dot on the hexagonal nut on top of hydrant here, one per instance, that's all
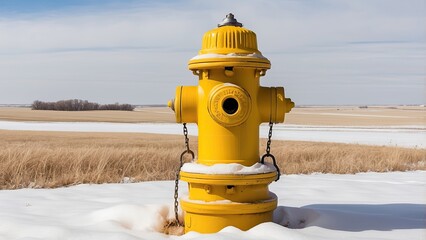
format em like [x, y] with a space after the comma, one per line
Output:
[228, 105]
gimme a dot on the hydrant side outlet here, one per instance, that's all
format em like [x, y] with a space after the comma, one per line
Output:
[228, 105]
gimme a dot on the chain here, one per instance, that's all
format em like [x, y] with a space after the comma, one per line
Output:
[268, 152]
[185, 133]
[268, 144]
[187, 150]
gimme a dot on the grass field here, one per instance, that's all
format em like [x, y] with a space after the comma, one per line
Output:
[53, 159]
[332, 116]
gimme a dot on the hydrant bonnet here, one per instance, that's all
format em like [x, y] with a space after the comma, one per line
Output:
[231, 39]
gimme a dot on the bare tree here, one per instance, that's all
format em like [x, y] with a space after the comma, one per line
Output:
[79, 105]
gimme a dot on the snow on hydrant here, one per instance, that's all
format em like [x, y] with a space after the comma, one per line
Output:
[228, 182]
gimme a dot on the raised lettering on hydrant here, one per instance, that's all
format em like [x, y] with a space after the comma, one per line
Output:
[228, 105]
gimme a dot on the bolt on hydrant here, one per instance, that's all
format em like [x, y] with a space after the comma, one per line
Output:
[228, 183]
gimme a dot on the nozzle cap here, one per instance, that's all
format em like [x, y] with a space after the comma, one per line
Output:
[289, 105]
[171, 104]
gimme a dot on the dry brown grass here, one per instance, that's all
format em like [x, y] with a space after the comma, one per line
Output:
[53, 159]
[157, 114]
[309, 157]
[340, 116]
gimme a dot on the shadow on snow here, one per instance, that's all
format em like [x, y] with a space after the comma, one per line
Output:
[354, 217]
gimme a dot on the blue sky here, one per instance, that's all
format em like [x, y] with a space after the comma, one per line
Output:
[325, 52]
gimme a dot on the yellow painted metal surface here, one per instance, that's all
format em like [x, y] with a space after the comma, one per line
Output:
[228, 105]
[229, 39]
[235, 188]
[210, 218]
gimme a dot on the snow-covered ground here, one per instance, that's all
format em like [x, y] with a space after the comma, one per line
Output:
[403, 136]
[318, 206]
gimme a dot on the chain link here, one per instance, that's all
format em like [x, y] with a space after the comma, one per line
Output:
[268, 152]
[189, 151]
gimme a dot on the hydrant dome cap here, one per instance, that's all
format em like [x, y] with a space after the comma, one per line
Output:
[231, 45]
[229, 39]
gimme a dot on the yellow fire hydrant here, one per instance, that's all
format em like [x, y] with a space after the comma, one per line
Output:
[228, 105]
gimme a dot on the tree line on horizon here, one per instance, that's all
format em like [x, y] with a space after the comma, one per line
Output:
[79, 105]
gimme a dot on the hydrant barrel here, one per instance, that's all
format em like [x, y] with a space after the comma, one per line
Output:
[228, 105]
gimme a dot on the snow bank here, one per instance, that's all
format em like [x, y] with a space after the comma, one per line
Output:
[231, 168]
[371, 206]
[402, 136]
